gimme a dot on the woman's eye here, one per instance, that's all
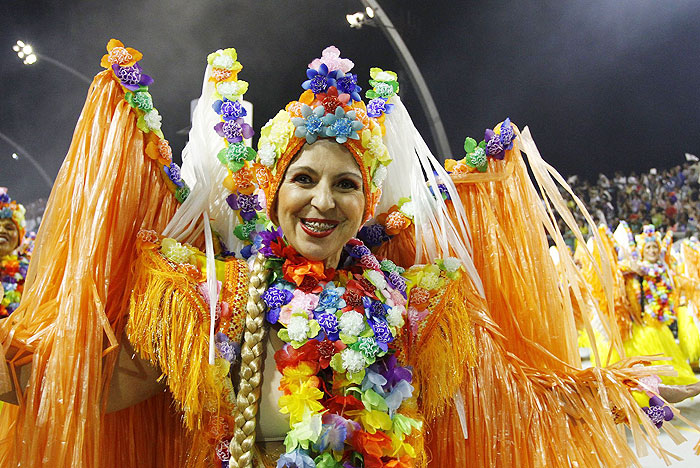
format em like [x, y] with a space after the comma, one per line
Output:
[347, 184]
[302, 179]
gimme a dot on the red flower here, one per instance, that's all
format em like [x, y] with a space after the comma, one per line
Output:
[326, 350]
[309, 285]
[288, 356]
[340, 404]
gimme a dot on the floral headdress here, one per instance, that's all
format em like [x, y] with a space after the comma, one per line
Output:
[649, 234]
[10, 209]
[123, 62]
[331, 107]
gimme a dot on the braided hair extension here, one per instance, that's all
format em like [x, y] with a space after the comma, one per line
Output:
[243, 441]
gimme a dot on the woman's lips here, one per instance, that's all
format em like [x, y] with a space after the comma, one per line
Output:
[318, 228]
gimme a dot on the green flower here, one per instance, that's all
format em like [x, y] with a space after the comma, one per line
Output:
[476, 155]
[235, 155]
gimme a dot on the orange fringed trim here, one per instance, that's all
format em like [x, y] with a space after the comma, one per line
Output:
[446, 348]
[400, 249]
[169, 326]
[520, 416]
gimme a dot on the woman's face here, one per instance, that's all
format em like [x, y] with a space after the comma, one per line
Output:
[651, 252]
[9, 236]
[320, 201]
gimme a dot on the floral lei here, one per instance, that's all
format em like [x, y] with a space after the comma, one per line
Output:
[343, 389]
[13, 270]
[657, 289]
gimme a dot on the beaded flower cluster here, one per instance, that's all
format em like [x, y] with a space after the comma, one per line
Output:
[13, 271]
[10, 209]
[123, 62]
[343, 388]
[494, 145]
[331, 107]
[657, 289]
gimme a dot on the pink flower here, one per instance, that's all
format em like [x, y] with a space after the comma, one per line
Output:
[415, 318]
[331, 57]
[300, 302]
[649, 385]
[395, 296]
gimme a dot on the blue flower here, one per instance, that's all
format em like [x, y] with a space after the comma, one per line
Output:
[497, 144]
[342, 125]
[275, 298]
[295, 459]
[319, 80]
[378, 106]
[310, 125]
[329, 323]
[229, 110]
[348, 84]
[173, 172]
[381, 333]
[330, 298]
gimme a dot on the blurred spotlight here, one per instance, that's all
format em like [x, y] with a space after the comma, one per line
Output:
[15, 156]
[359, 19]
[26, 52]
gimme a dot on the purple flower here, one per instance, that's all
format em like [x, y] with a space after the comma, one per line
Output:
[381, 333]
[173, 172]
[132, 78]
[397, 281]
[4, 198]
[494, 147]
[348, 84]
[392, 372]
[378, 310]
[268, 237]
[358, 251]
[329, 323]
[373, 235]
[228, 349]
[657, 411]
[247, 204]
[229, 110]
[234, 130]
[507, 134]
[319, 80]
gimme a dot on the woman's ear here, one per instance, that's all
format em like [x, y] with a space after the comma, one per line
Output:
[273, 213]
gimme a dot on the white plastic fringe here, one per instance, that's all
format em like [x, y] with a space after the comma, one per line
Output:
[212, 283]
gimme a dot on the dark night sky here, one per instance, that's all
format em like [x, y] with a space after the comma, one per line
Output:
[603, 85]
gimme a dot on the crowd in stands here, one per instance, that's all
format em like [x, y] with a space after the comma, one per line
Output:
[667, 198]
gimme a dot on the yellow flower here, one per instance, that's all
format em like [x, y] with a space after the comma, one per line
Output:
[401, 448]
[304, 398]
[374, 420]
[296, 376]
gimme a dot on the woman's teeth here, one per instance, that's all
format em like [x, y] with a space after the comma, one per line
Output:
[317, 226]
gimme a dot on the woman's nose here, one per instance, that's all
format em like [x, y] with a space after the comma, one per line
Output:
[322, 198]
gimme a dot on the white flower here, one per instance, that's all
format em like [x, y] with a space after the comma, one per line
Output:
[353, 361]
[395, 316]
[232, 89]
[379, 175]
[297, 328]
[223, 61]
[452, 264]
[152, 119]
[408, 209]
[352, 323]
[267, 154]
[377, 279]
[384, 76]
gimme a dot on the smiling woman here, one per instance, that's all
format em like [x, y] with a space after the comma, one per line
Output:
[279, 308]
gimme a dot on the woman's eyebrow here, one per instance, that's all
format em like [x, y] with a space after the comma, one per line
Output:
[304, 168]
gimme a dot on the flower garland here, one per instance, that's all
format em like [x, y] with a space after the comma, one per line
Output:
[657, 289]
[123, 62]
[13, 271]
[494, 145]
[343, 389]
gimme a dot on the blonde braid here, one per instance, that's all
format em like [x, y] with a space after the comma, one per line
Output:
[243, 440]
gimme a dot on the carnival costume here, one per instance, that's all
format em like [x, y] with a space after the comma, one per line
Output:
[468, 359]
[13, 266]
